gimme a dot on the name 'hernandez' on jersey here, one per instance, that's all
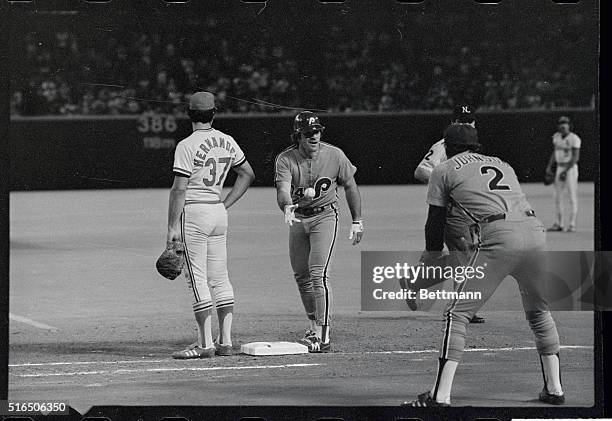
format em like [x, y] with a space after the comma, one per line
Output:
[330, 168]
[480, 185]
[205, 157]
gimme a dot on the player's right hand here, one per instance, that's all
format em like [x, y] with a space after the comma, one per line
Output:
[290, 214]
[173, 235]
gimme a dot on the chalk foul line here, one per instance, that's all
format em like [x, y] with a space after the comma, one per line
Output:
[166, 369]
[31, 322]
[145, 361]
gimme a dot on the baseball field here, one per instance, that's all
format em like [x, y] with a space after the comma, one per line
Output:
[93, 323]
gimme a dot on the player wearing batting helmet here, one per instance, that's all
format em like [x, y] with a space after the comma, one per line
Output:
[507, 241]
[307, 175]
[457, 225]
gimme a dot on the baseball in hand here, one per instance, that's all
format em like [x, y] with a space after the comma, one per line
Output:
[309, 193]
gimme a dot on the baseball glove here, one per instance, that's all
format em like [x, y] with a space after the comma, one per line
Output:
[170, 263]
[549, 176]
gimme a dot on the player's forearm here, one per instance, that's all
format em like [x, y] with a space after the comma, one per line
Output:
[574, 159]
[175, 207]
[434, 228]
[283, 198]
[353, 198]
[551, 162]
[243, 181]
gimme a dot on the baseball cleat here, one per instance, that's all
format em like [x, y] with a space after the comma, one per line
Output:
[411, 302]
[424, 400]
[555, 228]
[326, 347]
[551, 398]
[571, 228]
[194, 351]
[477, 319]
[223, 350]
[316, 346]
[306, 339]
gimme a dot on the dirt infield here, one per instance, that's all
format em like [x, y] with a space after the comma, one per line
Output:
[90, 316]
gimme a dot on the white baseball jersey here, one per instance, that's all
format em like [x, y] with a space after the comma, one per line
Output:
[206, 157]
[563, 146]
[435, 155]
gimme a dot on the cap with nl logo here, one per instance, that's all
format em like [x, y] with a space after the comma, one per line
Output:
[464, 113]
[202, 101]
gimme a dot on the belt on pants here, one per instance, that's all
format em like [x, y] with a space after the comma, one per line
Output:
[316, 210]
[499, 216]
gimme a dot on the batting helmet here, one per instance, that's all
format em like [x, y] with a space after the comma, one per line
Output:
[461, 135]
[464, 114]
[306, 121]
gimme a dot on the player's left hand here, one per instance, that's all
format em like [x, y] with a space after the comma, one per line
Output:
[468, 246]
[356, 231]
[433, 258]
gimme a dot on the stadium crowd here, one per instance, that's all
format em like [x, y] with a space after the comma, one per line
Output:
[66, 71]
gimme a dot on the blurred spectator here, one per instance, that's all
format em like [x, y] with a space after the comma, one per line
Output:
[373, 68]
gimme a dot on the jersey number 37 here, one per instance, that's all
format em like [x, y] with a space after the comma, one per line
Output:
[217, 170]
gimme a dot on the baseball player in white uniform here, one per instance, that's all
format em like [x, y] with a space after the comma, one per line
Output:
[565, 156]
[457, 225]
[197, 215]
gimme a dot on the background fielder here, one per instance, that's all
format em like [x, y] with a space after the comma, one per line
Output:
[457, 223]
[198, 216]
[565, 156]
[307, 175]
[508, 240]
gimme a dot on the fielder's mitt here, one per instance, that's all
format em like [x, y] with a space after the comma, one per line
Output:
[549, 176]
[170, 263]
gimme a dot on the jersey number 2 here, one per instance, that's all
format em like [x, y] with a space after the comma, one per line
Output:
[211, 164]
[497, 177]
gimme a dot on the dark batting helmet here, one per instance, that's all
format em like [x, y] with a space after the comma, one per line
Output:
[306, 121]
[464, 114]
[461, 135]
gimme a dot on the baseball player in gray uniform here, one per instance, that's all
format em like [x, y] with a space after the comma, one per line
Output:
[307, 175]
[197, 215]
[508, 238]
[457, 224]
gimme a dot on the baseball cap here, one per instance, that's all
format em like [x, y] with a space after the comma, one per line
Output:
[461, 134]
[202, 101]
[564, 119]
[464, 113]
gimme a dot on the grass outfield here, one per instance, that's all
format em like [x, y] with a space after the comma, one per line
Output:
[90, 316]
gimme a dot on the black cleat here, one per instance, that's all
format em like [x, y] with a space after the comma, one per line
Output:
[550, 398]
[424, 400]
[477, 319]
[411, 302]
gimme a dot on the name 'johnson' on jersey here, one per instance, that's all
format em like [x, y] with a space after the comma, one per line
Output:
[206, 157]
[479, 185]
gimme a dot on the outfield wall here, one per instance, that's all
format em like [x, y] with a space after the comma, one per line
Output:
[137, 152]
